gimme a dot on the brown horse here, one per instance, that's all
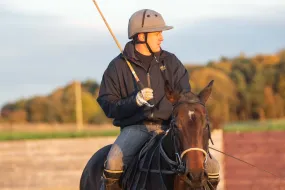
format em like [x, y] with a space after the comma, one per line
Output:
[174, 159]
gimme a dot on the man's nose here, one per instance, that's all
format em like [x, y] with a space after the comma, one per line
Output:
[161, 37]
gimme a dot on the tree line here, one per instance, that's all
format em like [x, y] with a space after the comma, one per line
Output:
[245, 88]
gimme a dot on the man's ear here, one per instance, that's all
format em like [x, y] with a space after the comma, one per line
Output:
[141, 37]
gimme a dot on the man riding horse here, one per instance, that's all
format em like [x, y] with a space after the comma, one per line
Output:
[139, 112]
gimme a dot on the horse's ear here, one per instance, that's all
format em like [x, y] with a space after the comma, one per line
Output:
[206, 92]
[172, 95]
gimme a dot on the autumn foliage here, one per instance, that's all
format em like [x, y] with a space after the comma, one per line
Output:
[245, 88]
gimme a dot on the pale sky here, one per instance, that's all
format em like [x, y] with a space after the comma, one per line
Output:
[46, 44]
[117, 12]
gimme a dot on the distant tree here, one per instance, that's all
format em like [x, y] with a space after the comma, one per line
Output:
[281, 55]
[246, 67]
[18, 116]
[270, 103]
[90, 86]
[239, 79]
[280, 78]
[269, 73]
[281, 86]
[37, 109]
[89, 107]
[68, 112]
[7, 109]
[256, 90]
[223, 101]
[210, 63]
[224, 59]
[10, 108]
[243, 107]
[279, 106]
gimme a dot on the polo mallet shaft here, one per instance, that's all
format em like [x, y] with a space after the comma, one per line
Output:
[119, 46]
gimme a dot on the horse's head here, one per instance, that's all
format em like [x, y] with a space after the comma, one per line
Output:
[190, 121]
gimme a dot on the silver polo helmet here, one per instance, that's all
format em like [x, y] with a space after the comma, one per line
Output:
[146, 20]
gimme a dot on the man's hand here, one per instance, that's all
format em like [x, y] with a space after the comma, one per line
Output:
[144, 95]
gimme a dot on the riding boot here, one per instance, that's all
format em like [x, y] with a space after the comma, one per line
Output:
[110, 180]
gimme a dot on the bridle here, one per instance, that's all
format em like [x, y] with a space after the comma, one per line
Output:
[178, 165]
[192, 149]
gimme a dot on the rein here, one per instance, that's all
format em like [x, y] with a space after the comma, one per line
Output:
[246, 163]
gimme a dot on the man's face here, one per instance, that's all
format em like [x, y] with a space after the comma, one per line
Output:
[154, 40]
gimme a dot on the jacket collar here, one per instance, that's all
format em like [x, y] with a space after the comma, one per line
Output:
[129, 53]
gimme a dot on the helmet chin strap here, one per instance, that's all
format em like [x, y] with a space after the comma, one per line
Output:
[147, 45]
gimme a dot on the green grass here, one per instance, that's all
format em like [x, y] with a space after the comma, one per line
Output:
[256, 126]
[8, 136]
[248, 126]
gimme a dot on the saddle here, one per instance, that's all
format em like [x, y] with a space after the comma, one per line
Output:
[148, 161]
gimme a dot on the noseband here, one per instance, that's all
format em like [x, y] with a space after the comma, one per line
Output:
[191, 149]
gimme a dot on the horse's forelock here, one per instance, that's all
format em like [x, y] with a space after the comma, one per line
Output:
[189, 96]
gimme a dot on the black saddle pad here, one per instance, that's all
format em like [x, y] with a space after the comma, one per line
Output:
[148, 163]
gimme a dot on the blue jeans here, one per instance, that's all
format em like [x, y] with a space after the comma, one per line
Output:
[128, 144]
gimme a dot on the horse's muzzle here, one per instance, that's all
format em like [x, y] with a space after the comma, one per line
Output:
[198, 179]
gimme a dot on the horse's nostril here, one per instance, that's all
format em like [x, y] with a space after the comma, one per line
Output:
[202, 176]
[195, 176]
[189, 175]
[206, 174]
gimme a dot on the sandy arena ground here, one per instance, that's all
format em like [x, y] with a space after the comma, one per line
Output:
[56, 164]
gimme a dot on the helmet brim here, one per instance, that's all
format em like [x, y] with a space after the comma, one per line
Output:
[153, 29]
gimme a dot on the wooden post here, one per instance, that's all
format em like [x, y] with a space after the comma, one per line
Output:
[78, 106]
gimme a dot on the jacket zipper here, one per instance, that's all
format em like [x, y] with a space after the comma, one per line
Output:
[148, 75]
[149, 84]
